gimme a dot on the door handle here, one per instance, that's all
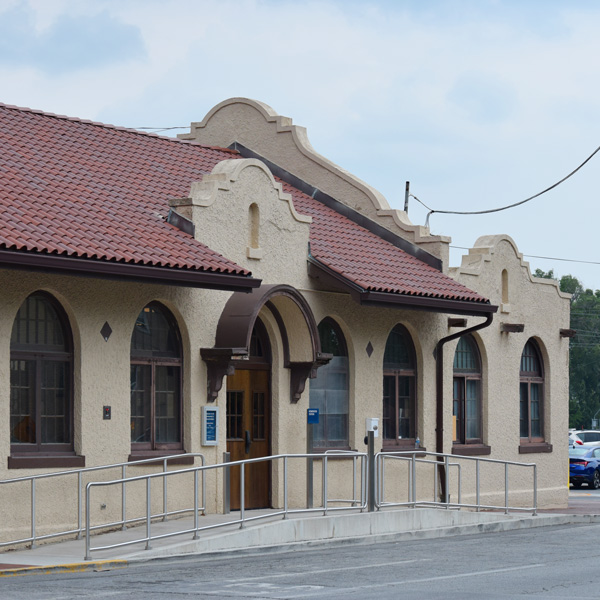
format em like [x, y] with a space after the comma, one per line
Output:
[248, 443]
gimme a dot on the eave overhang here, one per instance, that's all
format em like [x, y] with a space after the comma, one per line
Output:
[364, 297]
[102, 269]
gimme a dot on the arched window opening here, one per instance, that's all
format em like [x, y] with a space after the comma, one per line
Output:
[399, 385]
[505, 296]
[329, 391]
[254, 226]
[531, 394]
[41, 380]
[466, 407]
[156, 366]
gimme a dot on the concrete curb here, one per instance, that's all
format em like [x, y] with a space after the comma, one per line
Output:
[79, 567]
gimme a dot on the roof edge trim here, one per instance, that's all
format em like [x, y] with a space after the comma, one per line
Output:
[81, 267]
[343, 209]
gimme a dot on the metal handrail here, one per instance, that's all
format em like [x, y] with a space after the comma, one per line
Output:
[412, 455]
[79, 473]
[243, 520]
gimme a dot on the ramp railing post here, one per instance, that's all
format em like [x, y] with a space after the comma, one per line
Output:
[371, 470]
[226, 484]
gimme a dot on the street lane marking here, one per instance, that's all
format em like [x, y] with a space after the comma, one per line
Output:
[332, 591]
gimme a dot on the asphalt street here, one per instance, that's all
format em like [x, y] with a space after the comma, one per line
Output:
[547, 562]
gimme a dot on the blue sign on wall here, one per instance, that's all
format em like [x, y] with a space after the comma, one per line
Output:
[312, 416]
[210, 423]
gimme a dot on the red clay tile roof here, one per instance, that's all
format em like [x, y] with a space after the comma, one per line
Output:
[82, 189]
[370, 261]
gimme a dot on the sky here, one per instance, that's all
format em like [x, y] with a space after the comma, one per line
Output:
[478, 103]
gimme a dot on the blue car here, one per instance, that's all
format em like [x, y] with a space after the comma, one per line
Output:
[584, 466]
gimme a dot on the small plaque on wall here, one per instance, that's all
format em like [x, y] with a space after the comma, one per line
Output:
[210, 425]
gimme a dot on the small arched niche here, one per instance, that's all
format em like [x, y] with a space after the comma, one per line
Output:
[505, 292]
[253, 250]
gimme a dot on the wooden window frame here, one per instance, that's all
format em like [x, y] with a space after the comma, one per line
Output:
[330, 370]
[38, 454]
[408, 371]
[531, 444]
[142, 450]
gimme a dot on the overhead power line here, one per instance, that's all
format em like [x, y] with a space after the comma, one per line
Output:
[493, 210]
[573, 260]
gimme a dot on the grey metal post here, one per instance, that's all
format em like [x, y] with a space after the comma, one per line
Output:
[164, 490]
[195, 505]
[309, 466]
[226, 485]
[478, 496]
[285, 487]
[79, 507]
[371, 469]
[32, 514]
[534, 490]
[506, 488]
[242, 494]
[446, 490]
[88, 556]
[148, 513]
[123, 500]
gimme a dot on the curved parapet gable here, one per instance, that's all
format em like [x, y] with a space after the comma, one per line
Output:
[483, 251]
[257, 126]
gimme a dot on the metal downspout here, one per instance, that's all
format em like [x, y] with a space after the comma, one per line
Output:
[439, 389]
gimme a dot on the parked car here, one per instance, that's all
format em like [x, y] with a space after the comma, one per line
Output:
[584, 466]
[589, 437]
[574, 440]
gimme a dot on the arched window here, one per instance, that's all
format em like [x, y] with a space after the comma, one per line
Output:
[41, 378]
[156, 411]
[466, 407]
[329, 390]
[399, 396]
[531, 394]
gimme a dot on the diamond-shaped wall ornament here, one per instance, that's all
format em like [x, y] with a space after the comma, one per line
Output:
[105, 331]
[369, 349]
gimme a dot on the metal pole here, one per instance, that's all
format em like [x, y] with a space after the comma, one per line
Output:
[324, 484]
[371, 469]
[413, 480]
[477, 490]
[123, 499]
[285, 487]
[164, 490]
[534, 490]
[79, 506]
[406, 195]
[446, 491]
[195, 505]
[226, 484]
[87, 523]
[506, 488]
[148, 513]
[32, 514]
[309, 465]
[242, 493]
[203, 486]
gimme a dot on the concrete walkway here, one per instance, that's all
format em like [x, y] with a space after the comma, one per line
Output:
[271, 533]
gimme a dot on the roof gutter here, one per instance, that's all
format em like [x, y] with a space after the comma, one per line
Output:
[82, 267]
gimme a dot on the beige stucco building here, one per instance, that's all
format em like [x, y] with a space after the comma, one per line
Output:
[144, 278]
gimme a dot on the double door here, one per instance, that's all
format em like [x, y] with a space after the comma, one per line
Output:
[249, 436]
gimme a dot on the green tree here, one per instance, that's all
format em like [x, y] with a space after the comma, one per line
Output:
[584, 358]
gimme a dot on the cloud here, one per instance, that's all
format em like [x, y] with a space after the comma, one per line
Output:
[70, 43]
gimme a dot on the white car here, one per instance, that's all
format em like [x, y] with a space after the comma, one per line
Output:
[584, 437]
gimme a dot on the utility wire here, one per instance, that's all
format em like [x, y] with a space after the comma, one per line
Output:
[493, 210]
[159, 129]
[587, 262]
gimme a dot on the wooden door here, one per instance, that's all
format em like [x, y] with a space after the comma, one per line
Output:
[249, 435]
